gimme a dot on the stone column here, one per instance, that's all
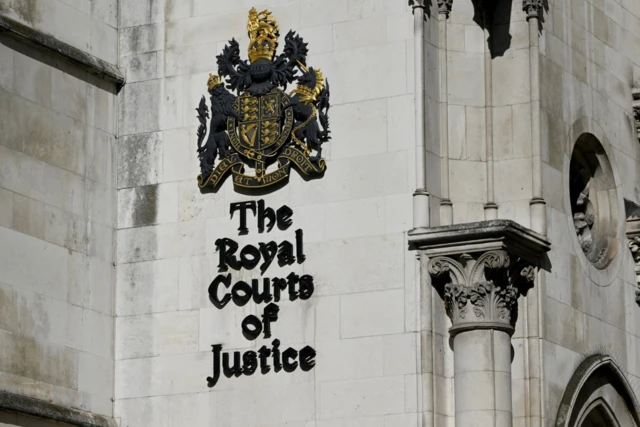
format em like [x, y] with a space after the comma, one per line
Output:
[480, 292]
[480, 270]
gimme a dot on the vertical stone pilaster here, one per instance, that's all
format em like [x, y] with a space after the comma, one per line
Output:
[636, 110]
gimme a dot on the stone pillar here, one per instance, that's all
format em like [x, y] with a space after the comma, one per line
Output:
[480, 292]
[480, 270]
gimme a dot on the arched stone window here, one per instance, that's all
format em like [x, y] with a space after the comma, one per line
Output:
[598, 395]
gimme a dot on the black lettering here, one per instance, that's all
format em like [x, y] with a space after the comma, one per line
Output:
[241, 293]
[227, 249]
[269, 316]
[265, 295]
[307, 358]
[251, 327]
[265, 213]
[268, 251]
[278, 286]
[277, 363]
[242, 207]
[231, 371]
[285, 254]
[249, 362]
[292, 280]
[264, 354]
[212, 381]
[284, 215]
[288, 355]
[250, 257]
[213, 291]
[300, 246]
[306, 287]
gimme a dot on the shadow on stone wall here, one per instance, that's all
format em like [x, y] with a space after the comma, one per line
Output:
[495, 17]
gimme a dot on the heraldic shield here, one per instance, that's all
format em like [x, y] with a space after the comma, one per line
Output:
[261, 127]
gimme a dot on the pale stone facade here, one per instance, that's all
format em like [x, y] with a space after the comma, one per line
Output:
[474, 248]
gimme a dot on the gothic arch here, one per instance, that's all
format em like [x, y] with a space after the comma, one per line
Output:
[598, 395]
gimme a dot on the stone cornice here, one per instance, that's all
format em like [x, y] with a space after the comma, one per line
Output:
[481, 236]
[48, 411]
[532, 8]
[53, 46]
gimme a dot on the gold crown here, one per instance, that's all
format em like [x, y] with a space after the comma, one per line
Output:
[213, 81]
[263, 35]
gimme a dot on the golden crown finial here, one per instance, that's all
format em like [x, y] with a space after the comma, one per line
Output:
[213, 81]
[263, 35]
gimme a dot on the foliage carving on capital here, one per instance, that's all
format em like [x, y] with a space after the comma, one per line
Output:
[444, 7]
[532, 8]
[489, 285]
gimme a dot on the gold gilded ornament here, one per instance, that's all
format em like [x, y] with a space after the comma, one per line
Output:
[254, 124]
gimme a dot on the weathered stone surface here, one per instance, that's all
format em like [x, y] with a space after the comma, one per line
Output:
[57, 214]
[56, 47]
[139, 160]
[48, 411]
[381, 333]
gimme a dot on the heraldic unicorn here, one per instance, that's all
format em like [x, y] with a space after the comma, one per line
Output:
[253, 121]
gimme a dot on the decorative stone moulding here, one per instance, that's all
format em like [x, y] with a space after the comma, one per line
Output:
[480, 270]
[636, 110]
[633, 234]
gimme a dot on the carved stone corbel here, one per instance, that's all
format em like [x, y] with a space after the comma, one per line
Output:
[636, 110]
[532, 8]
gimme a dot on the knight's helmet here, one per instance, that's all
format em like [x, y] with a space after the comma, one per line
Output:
[263, 35]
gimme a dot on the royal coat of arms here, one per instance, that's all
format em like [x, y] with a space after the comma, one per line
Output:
[254, 123]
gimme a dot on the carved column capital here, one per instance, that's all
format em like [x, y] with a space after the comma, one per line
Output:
[532, 8]
[481, 291]
[480, 270]
[444, 7]
[417, 4]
